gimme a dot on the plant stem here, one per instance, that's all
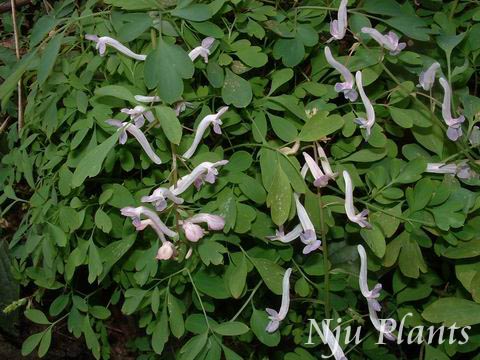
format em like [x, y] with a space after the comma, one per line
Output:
[199, 299]
[17, 53]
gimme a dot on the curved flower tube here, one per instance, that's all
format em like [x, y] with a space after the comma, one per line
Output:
[360, 218]
[203, 50]
[125, 127]
[462, 170]
[320, 179]
[206, 171]
[103, 41]
[135, 213]
[347, 86]
[159, 198]
[325, 164]
[206, 121]
[214, 222]
[288, 237]
[181, 106]
[384, 329]
[308, 237]
[454, 124]
[389, 41]
[427, 77]
[363, 281]
[193, 232]
[147, 99]
[147, 222]
[332, 343]
[139, 114]
[365, 124]
[338, 27]
[274, 316]
[166, 251]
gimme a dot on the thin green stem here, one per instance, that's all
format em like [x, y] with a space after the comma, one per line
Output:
[247, 301]
[199, 299]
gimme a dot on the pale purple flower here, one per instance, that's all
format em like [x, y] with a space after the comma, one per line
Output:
[206, 171]
[427, 77]
[370, 121]
[308, 237]
[203, 50]
[325, 164]
[159, 198]
[389, 41]
[338, 27]
[332, 343]
[214, 222]
[372, 296]
[181, 106]
[462, 170]
[124, 127]
[166, 251]
[320, 179]
[274, 316]
[202, 126]
[103, 41]
[288, 237]
[360, 218]
[347, 86]
[147, 99]
[193, 232]
[135, 214]
[139, 114]
[147, 222]
[454, 124]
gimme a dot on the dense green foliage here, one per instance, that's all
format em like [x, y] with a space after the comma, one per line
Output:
[69, 177]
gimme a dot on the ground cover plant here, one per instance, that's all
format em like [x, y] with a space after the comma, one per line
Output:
[204, 177]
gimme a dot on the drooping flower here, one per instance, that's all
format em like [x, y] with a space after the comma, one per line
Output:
[320, 179]
[347, 86]
[125, 127]
[338, 27]
[287, 150]
[159, 198]
[103, 41]
[206, 171]
[288, 237]
[147, 99]
[389, 41]
[370, 121]
[135, 213]
[372, 296]
[361, 217]
[148, 222]
[203, 50]
[332, 342]
[454, 124]
[308, 237]
[214, 222]
[193, 232]
[427, 77]
[462, 170]
[181, 106]
[139, 114]
[166, 251]
[202, 126]
[325, 164]
[274, 316]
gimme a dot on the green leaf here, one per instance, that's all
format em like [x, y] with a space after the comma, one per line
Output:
[103, 221]
[279, 78]
[412, 171]
[271, 273]
[449, 42]
[193, 12]
[58, 305]
[57, 234]
[193, 347]
[91, 163]
[49, 57]
[133, 298]
[116, 91]
[403, 117]
[177, 325]
[375, 240]
[464, 250]
[232, 328]
[41, 28]
[91, 338]
[236, 91]
[45, 343]
[211, 252]
[169, 123]
[37, 316]
[280, 197]
[160, 333]
[449, 311]
[95, 266]
[236, 276]
[320, 126]
[31, 343]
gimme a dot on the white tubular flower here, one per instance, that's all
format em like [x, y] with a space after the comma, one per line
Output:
[206, 121]
[320, 179]
[214, 222]
[193, 232]
[332, 343]
[139, 114]
[147, 222]
[159, 198]
[206, 171]
[365, 124]
[288, 237]
[462, 170]
[274, 316]
[454, 124]
[181, 106]
[363, 281]
[338, 27]
[103, 41]
[125, 127]
[147, 99]
[347, 86]
[166, 251]
[427, 77]
[135, 214]
[360, 218]
[202, 50]
[383, 328]
[308, 237]
[325, 164]
[389, 41]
